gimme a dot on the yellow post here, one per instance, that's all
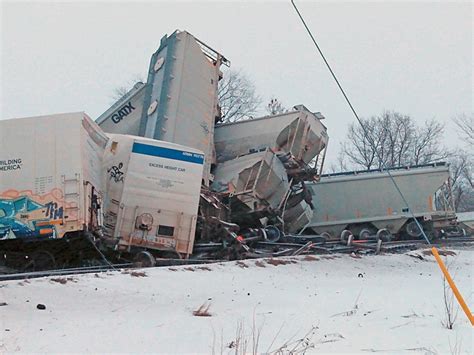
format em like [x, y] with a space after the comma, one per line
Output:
[452, 285]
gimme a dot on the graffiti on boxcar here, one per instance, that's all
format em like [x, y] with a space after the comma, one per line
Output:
[24, 214]
[53, 210]
[115, 172]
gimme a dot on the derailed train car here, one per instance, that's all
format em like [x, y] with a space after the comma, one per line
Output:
[152, 194]
[60, 174]
[365, 202]
[50, 184]
[264, 163]
[258, 166]
[178, 102]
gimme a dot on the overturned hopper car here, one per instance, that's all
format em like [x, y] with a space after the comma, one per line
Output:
[263, 163]
[178, 102]
[366, 202]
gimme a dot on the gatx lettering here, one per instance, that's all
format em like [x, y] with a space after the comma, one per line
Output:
[123, 112]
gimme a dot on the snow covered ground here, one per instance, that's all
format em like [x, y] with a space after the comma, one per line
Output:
[385, 304]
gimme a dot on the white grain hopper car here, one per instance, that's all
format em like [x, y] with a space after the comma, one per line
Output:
[178, 103]
[61, 174]
[367, 201]
[258, 161]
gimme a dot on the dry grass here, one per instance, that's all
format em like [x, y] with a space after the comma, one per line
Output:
[259, 263]
[203, 311]
[248, 342]
[450, 309]
[205, 268]
[353, 310]
[310, 258]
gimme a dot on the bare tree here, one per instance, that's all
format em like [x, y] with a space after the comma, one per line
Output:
[339, 165]
[237, 97]
[461, 181]
[465, 124]
[120, 91]
[393, 139]
[275, 107]
[427, 145]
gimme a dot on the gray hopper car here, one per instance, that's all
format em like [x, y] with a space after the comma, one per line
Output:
[366, 202]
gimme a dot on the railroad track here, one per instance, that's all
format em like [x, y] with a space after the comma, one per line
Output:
[99, 269]
[329, 247]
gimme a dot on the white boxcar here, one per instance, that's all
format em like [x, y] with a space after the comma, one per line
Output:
[153, 190]
[50, 175]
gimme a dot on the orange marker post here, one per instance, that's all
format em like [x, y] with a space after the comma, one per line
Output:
[446, 274]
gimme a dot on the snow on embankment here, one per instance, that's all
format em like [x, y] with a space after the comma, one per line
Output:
[386, 303]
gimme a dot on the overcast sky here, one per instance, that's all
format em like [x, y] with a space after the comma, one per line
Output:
[412, 57]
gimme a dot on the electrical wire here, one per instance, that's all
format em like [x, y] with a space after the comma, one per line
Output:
[364, 129]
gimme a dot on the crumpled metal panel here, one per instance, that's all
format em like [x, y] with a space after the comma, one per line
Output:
[297, 217]
[298, 132]
[257, 179]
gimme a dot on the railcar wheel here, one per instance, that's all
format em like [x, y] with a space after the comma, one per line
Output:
[145, 259]
[384, 235]
[413, 230]
[40, 260]
[364, 233]
[326, 236]
[272, 234]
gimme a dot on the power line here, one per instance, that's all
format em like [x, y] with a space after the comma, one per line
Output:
[364, 129]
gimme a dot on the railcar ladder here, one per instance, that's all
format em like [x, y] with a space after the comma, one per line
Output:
[71, 203]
